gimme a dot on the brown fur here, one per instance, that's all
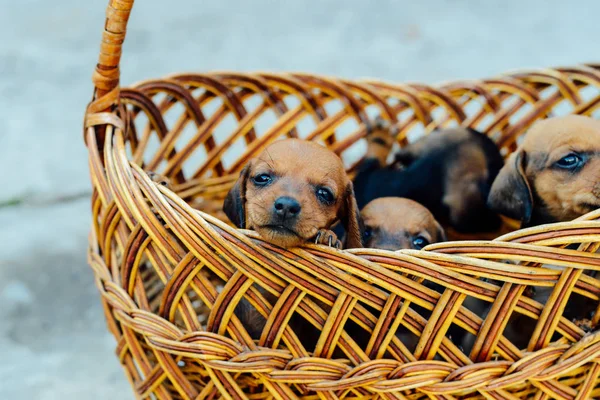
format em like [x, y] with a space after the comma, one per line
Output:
[462, 182]
[532, 189]
[298, 169]
[396, 222]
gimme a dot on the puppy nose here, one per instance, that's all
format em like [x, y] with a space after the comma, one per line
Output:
[287, 207]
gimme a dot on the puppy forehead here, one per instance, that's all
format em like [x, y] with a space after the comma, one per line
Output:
[299, 158]
[395, 214]
[576, 131]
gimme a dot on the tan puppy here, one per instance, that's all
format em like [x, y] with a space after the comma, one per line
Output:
[394, 223]
[292, 193]
[554, 175]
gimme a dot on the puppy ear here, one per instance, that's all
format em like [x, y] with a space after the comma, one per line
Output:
[349, 216]
[511, 194]
[234, 205]
[441, 233]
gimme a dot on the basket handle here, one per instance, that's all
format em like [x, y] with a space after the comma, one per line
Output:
[106, 75]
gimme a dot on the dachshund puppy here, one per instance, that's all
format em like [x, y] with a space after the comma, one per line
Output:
[554, 175]
[292, 193]
[394, 223]
[450, 172]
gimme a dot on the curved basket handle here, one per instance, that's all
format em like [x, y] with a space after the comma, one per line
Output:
[106, 74]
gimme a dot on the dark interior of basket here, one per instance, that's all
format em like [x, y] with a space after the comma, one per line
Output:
[360, 305]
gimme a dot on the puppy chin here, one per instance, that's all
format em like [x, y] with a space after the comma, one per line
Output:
[389, 247]
[281, 238]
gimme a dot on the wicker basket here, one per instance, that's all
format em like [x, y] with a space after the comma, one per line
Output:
[170, 276]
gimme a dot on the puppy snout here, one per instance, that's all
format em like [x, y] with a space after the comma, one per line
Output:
[387, 246]
[287, 207]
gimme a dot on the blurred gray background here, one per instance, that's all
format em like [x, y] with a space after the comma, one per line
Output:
[53, 340]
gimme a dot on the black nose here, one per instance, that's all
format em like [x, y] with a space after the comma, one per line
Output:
[287, 207]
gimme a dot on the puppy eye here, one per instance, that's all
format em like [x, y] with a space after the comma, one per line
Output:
[419, 242]
[368, 233]
[570, 161]
[325, 195]
[262, 179]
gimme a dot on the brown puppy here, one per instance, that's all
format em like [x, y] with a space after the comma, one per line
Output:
[554, 175]
[394, 223]
[292, 193]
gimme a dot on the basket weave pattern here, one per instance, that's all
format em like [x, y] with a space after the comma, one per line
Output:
[170, 276]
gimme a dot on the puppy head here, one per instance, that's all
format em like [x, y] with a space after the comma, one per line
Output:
[290, 191]
[394, 223]
[554, 175]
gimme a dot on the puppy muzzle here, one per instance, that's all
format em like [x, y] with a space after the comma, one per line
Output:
[391, 243]
[286, 211]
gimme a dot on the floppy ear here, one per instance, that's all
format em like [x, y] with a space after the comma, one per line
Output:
[349, 216]
[511, 194]
[234, 205]
[441, 233]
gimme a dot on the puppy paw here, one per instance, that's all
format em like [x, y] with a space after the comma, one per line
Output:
[328, 238]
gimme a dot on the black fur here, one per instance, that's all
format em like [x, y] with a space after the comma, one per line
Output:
[423, 180]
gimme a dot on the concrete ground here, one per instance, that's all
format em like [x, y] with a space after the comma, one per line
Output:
[53, 341]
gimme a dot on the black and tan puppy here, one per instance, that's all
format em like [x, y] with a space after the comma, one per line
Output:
[292, 193]
[450, 172]
[394, 223]
[554, 175]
